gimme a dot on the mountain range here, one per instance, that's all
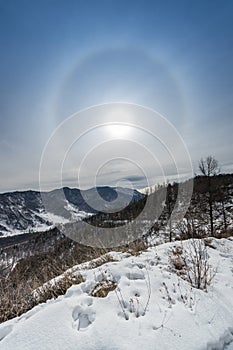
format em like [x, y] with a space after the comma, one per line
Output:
[25, 211]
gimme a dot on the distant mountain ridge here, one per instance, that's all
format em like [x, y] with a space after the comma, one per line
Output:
[22, 211]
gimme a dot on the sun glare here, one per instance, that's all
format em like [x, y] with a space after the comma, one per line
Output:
[118, 130]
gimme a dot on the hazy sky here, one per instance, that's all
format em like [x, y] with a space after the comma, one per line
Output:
[58, 57]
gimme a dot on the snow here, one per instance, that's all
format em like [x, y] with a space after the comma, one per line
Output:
[151, 308]
[76, 214]
[37, 226]
[49, 220]
[55, 219]
[52, 219]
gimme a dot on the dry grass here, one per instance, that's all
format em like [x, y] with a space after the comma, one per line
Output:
[102, 288]
[18, 298]
[52, 290]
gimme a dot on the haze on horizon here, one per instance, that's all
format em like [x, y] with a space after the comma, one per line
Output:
[60, 57]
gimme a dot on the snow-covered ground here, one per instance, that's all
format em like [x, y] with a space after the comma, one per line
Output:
[151, 308]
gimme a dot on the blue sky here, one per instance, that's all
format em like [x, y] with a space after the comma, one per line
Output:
[58, 57]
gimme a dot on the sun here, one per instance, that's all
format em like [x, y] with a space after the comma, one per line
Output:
[118, 130]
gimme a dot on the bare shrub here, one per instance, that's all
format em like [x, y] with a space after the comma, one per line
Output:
[176, 258]
[192, 263]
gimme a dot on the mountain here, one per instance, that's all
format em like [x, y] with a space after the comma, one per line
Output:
[24, 211]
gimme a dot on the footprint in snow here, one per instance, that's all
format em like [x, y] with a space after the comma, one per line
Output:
[135, 275]
[83, 315]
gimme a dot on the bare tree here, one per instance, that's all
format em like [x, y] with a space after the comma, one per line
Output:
[209, 167]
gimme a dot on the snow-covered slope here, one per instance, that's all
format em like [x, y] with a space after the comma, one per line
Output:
[151, 308]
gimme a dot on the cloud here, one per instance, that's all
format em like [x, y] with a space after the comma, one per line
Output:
[135, 178]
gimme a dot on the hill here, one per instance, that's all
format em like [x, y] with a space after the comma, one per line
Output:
[143, 301]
